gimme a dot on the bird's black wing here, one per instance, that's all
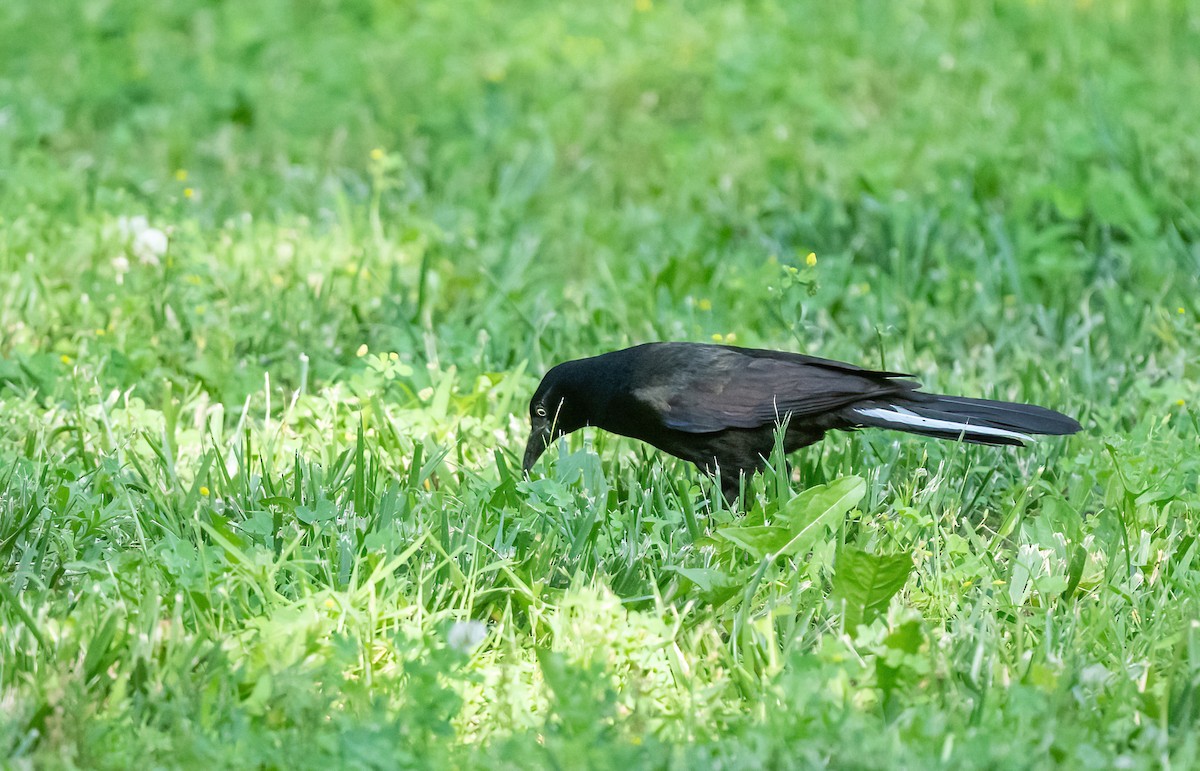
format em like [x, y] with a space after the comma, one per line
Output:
[704, 388]
[803, 358]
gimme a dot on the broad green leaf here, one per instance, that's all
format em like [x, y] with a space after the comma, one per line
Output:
[821, 501]
[325, 511]
[867, 582]
[715, 586]
[759, 540]
[704, 578]
[810, 513]
[898, 662]
[805, 519]
[906, 638]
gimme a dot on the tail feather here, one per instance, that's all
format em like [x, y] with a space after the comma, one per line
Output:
[980, 421]
[1022, 417]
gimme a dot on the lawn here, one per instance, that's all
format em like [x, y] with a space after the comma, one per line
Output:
[277, 279]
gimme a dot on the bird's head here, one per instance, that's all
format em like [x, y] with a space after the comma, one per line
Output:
[558, 407]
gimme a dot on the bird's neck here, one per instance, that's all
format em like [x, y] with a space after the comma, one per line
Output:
[605, 381]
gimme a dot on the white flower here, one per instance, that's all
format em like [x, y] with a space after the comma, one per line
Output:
[148, 244]
[1094, 676]
[120, 265]
[465, 636]
[1031, 564]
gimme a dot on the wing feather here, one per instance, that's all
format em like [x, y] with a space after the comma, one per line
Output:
[703, 389]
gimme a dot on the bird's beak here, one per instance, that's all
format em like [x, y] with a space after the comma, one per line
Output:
[539, 439]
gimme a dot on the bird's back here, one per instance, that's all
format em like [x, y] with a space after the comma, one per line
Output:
[700, 388]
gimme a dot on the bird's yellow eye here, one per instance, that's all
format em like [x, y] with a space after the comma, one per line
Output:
[540, 412]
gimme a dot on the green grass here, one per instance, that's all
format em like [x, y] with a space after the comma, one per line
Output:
[259, 497]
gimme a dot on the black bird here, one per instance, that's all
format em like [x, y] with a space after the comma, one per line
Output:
[718, 406]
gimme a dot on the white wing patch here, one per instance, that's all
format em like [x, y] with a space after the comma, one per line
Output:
[901, 417]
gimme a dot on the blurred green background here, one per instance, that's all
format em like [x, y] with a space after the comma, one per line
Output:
[557, 163]
[278, 277]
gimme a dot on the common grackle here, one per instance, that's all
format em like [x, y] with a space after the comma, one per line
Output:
[718, 406]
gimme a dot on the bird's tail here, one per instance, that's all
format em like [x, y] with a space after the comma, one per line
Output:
[979, 421]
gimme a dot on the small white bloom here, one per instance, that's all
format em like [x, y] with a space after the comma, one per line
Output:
[120, 267]
[465, 636]
[1094, 676]
[149, 245]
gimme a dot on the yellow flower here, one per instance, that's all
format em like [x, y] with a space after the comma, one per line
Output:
[204, 491]
[362, 351]
[731, 338]
[377, 154]
[494, 74]
[181, 175]
[811, 260]
[393, 356]
[65, 359]
[1180, 402]
[717, 338]
[188, 192]
[1179, 310]
[705, 304]
[643, 6]
[101, 332]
